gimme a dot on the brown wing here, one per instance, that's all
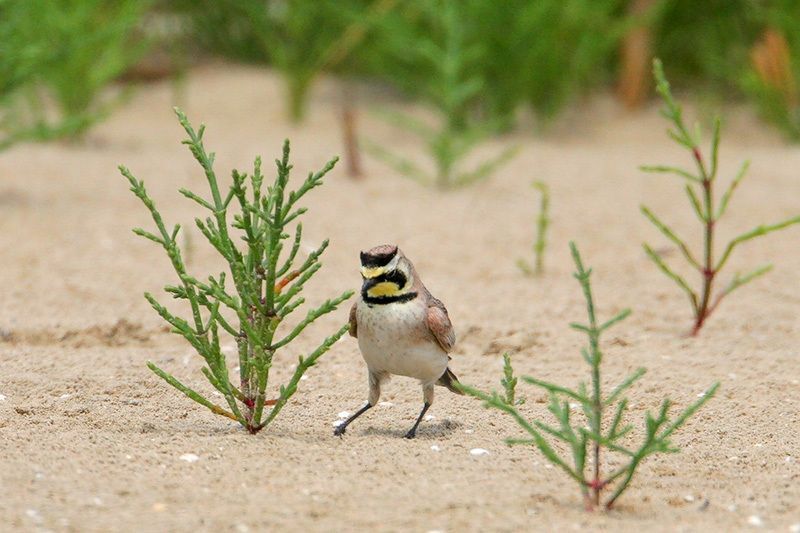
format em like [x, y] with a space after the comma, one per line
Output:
[353, 321]
[439, 325]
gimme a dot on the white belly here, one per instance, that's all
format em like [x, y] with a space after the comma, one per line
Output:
[393, 338]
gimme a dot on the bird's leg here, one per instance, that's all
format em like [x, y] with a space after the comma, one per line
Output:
[374, 396]
[340, 429]
[427, 394]
[413, 431]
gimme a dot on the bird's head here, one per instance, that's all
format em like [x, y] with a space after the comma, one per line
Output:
[388, 276]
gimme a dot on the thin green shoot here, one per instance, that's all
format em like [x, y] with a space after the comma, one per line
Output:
[542, 224]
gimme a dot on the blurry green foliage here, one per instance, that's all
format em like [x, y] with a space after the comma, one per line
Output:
[772, 78]
[296, 36]
[736, 48]
[545, 53]
[476, 63]
[517, 54]
[509, 49]
[17, 63]
[450, 86]
[56, 58]
[707, 43]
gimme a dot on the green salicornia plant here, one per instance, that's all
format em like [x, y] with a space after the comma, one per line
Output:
[300, 39]
[573, 52]
[700, 191]
[542, 223]
[65, 54]
[266, 283]
[602, 428]
[450, 89]
[509, 383]
[575, 44]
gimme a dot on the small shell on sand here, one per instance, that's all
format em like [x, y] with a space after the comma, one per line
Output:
[2, 397]
[477, 452]
[189, 458]
[435, 448]
[755, 520]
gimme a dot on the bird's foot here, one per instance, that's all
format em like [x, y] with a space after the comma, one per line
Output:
[340, 429]
[411, 434]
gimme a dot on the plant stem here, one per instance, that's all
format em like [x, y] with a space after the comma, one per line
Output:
[593, 331]
[542, 222]
[709, 272]
[625, 482]
[297, 87]
[350, 137]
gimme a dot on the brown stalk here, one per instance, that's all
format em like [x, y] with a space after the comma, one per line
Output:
[634, 76]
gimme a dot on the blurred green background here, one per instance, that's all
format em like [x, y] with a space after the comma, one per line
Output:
[477, 63]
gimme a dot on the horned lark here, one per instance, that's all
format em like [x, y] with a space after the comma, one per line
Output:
[401, 329]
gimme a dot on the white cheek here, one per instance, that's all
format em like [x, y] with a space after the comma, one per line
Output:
[392, 264]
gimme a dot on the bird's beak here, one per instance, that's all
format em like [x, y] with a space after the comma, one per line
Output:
[368, 283]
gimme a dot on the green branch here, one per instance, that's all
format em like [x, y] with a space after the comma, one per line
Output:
[191, 393]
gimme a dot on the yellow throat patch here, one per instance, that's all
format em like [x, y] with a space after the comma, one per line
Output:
[384, 288]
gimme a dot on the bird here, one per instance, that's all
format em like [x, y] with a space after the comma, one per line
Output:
[401, 329]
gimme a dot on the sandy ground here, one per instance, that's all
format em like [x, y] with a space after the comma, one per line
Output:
[90, 440]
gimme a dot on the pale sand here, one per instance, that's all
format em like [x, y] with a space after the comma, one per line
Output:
[90, 440]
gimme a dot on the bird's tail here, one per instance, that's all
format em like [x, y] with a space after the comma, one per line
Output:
[449, 380]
